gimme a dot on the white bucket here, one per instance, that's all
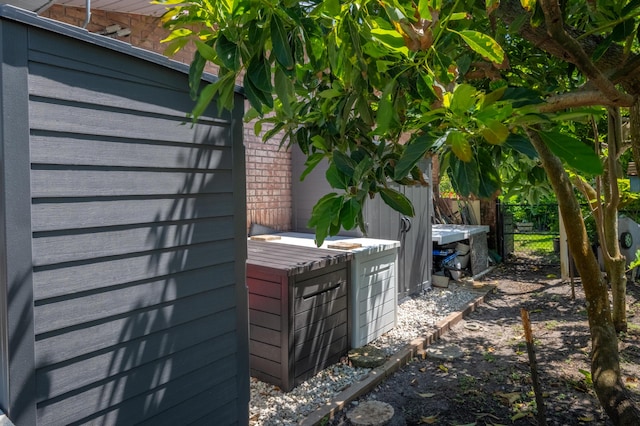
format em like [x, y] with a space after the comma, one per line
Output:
[462, 262]
[462, 249]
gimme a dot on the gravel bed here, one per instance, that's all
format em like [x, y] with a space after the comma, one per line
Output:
[417, 317]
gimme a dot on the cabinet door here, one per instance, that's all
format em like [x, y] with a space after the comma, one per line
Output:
[416, 242]
[414, 234]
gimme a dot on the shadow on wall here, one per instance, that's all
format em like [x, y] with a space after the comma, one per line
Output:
[176, 357]
[179, 363]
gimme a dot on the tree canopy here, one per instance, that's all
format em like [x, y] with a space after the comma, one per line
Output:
[374, 86]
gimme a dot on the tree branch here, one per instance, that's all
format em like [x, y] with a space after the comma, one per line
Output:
[575, 54]
[630, 67]
[613, 63]
[580, 99]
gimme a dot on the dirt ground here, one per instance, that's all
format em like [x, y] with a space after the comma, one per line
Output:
[491, 383]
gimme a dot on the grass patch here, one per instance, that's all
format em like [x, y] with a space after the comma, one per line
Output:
[538, 244]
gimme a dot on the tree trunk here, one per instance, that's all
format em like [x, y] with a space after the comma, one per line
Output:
[605, 359]
[634, 130]
[618, 282]
[615, 261]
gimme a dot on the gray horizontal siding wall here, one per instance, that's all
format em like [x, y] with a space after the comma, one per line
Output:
[137, 243]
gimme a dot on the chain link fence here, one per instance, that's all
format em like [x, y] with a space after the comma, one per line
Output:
[529, 233]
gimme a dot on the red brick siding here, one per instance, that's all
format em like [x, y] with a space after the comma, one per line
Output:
[268, 167]
[268, 182]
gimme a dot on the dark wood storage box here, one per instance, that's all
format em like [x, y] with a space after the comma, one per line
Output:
[298, 311]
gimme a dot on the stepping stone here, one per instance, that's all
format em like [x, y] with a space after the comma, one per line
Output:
[371, 413]
[367, 357]
[444, 352]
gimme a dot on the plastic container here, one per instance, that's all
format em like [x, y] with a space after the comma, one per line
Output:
[456, 275]
[442, 252]
[462, 249]
[441, 281]
[462, 261]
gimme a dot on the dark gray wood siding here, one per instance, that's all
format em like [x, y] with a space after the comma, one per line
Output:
[135, 238]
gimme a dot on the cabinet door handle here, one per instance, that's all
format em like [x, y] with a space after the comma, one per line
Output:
[405, 224]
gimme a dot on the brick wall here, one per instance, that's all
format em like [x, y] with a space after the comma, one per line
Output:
[268, 168]
[268, 182]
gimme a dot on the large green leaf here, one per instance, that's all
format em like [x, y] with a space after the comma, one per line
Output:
[573, 152]
[464, 98]
[364, 166]
[364, 109]
[228, 52]
[413, 152]
[195, 75]
[320, 142]
[374, 50]
[174, 46]
[323, 214]
[252, 93]
[391, 39]
[490, 98]
[496, 112]
[464, 64]
[424, 9]
[284, 90]
[206, 51]
[464, 176]
[424, 86]
[259, 72]
[332, 7]
[460, 145]
[521, 144]
[336, 178]
[344, 164]
[176, 34]
[226, 91]
[495, 132]
[442, 67]
[483, 45]
[397, 201]
[349, 213]
[623, 30]
[331, 93]
[489, 178]
[205, 98]
[385, 109]
[280, 43]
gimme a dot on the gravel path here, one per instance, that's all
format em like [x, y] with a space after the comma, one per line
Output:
[417, 317]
